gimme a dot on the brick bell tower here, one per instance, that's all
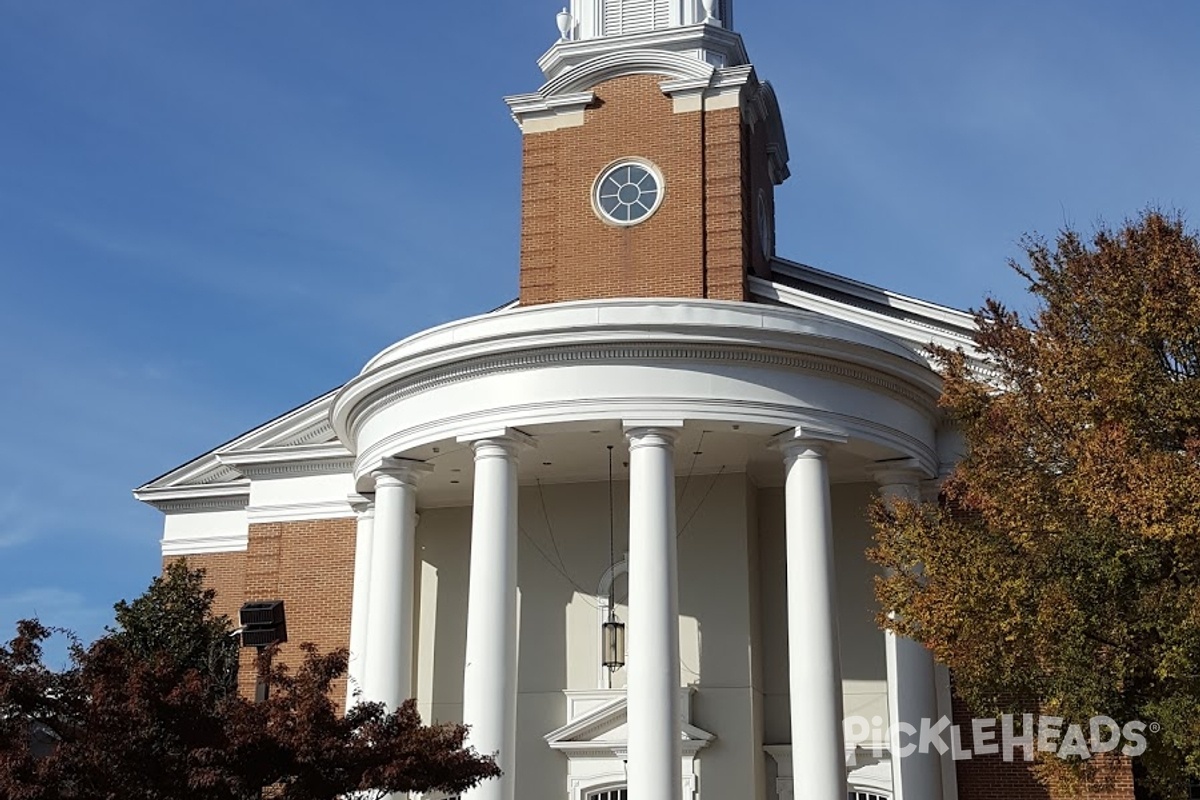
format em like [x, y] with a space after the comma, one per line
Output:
[651, 156]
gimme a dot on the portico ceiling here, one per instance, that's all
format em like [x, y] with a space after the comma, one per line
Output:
[576, 453]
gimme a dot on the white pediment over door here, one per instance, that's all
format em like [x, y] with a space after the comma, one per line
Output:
[595, 741]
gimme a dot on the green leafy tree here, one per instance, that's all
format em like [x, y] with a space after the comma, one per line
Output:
[146, 713]
[1062, 566]
[175, 615]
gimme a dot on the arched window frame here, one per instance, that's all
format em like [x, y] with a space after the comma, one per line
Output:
[617, 792]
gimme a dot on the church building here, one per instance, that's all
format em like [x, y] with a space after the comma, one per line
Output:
[618, 526]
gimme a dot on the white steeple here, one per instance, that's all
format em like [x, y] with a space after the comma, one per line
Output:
[593, 19]
[701, 29]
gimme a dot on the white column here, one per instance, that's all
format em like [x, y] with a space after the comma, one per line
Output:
[912, 675]
[490, 680]
[814, 660]
[655, 766]
[364, 509]
[388, 673]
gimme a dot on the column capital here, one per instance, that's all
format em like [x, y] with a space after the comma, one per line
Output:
[400, 472]
[899, 472]
[363, 506]
[807, 442]
[652, 435]
[497, 442]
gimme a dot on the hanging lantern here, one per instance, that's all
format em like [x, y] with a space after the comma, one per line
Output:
[612, 633]
[613, 647]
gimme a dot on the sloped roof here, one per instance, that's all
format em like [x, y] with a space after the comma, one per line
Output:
[302, 433]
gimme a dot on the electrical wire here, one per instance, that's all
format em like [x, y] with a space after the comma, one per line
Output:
[549, 528]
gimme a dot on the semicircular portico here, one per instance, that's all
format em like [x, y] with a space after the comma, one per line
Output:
[623, 361]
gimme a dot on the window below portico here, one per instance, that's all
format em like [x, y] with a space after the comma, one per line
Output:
[856, 794]
[616, 793]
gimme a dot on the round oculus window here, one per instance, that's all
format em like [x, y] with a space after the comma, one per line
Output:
[628, 193]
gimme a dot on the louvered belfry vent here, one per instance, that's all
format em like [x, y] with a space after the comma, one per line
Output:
[635, 16]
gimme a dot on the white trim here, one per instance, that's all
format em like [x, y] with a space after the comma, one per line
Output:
[678, 321]
[200, 545]
[918, 335]
[956, 318]
[709, 45]
[229, 496]
[290, 462]
[536, 113]
[298, 512]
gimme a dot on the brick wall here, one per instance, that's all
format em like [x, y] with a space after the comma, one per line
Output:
[225, 572]
[695, 245]
[309, 565]
[991, 778]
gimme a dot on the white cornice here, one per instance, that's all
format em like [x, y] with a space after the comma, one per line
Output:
[709, 44]
[722, 88]
[621, 330]
[920, 393]
[297, 512]
[537, 113]
[561, 101]
[280, 462]
[229, 496]
[640, 320]
[228, 543]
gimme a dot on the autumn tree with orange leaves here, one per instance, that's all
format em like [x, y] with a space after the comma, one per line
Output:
[1062, 562]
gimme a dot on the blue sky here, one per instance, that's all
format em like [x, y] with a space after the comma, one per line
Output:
[213, 211]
